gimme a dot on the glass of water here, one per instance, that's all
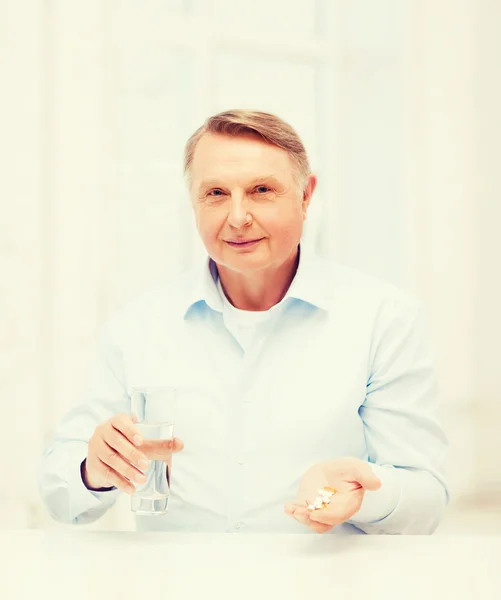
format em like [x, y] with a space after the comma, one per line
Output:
[153, 409]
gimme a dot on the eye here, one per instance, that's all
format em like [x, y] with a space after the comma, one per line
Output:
[215, 193]
[262, 189]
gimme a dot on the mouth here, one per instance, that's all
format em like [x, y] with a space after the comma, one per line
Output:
[243, 243]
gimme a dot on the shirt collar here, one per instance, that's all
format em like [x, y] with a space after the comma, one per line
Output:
[309, 284]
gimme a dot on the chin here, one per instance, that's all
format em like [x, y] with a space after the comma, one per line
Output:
[245, 262]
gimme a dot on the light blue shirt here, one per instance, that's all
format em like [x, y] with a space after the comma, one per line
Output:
[340, 367]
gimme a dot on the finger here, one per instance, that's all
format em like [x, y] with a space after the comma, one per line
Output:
[161, 449]
[290, 507]
[116, 440]
[339, 510]
[366, 477]
[329, 517]
[123, 423]
[173, 445]
[110, 457]
[311, 516]
[115, 478]
[301, 515]
[178, 445]
[305, 519]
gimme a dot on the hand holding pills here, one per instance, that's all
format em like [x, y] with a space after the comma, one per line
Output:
[331, 492]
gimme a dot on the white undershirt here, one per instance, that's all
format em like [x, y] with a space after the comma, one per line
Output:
[246, 325]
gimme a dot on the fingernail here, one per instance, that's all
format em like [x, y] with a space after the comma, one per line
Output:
[137, 439]
[140, 478]
[143, 463]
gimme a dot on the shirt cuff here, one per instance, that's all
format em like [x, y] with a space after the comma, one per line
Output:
[94, 491]
[81, 498]
[378, 504]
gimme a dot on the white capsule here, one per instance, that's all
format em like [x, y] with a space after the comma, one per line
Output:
[318, 503]
[310, 507]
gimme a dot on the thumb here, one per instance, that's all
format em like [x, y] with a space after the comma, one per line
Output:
[368, 479]
[177, 445]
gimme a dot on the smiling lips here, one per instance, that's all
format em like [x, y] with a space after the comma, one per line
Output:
[242, 243]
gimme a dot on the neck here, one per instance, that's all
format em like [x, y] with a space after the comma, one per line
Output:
[259, 290]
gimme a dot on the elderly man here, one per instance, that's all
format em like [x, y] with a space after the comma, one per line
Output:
[293, 373]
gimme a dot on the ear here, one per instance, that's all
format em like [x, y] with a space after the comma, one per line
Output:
[308, 193]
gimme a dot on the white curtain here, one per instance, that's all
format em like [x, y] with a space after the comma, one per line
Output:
[397, 103]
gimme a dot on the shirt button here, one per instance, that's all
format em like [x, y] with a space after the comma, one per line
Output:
[238, 524]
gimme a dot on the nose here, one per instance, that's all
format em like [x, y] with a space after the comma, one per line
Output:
[239, 215]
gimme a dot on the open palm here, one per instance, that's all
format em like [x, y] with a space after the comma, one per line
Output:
[350, 478]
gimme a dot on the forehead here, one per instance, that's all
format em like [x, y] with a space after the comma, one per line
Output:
[229, 156]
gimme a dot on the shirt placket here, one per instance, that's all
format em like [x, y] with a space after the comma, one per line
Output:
[242, 438]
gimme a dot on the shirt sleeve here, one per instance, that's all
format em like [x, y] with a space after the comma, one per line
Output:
[406, 443]
[63, 492]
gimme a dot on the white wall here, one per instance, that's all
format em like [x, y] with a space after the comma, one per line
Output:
[453, 171]
[397, 102]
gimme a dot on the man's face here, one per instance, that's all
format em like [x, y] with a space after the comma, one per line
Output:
[243, 190]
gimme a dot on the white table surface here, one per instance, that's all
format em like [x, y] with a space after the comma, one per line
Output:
[78, 565]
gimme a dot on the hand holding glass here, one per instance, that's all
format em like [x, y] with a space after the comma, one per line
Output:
[153, 412]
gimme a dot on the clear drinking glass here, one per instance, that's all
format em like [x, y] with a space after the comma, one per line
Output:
[154, 411]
